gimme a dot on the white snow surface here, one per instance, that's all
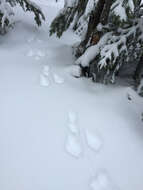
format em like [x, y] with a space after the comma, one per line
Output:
[34, 126]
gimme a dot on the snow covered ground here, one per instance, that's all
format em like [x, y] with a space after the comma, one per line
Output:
[58, 132]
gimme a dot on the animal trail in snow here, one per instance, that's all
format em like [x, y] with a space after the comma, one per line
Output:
[102, 181]
[73, 143]
[93, 141]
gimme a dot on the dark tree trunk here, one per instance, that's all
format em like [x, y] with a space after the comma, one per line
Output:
[94, 20]
[105, 12]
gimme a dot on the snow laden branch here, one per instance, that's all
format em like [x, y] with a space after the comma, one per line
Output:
[30, 6]
[71, 13]
[111, 37]
[7, 12]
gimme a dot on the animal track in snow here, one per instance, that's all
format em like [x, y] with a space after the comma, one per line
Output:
[31, 39]
[44, 81]
[93, 141]
[72, 122]
[40, 53]
[30, 53]
[73, 145]
[72, 117]
[46, 70]
[73, 128]
[37, 54]
[102, 181]
[58, 79]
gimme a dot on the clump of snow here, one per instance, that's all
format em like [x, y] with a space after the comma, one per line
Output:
[99, 27]
[90, 6]
[75, 71]
[92, 52]
[119, 10]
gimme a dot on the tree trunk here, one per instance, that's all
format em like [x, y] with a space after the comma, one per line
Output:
[105, 12]
[94, 20]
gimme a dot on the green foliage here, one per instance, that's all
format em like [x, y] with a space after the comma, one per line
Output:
[62, 22]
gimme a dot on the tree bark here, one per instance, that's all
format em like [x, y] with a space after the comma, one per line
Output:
[106, 11]
[94, 20]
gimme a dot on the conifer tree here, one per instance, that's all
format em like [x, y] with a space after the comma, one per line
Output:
[112, 37]
[7, 11]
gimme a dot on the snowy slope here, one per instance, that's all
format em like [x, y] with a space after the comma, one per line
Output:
[58, 132]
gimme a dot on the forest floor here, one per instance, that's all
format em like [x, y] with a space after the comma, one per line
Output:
[58, 132]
